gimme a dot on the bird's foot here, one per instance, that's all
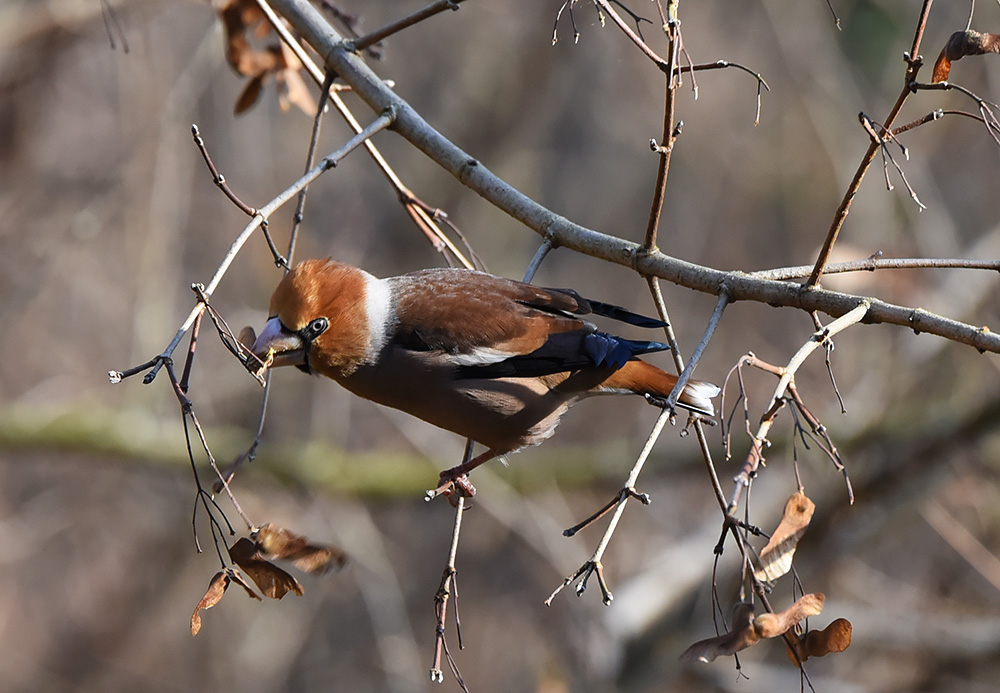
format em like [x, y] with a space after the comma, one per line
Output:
[452, 485]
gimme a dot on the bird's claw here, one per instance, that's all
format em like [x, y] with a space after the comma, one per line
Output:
[452, 487]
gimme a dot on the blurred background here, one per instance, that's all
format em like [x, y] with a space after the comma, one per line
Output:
[109, 215]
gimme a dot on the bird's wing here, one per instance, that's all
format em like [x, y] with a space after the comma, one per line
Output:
[495, 327]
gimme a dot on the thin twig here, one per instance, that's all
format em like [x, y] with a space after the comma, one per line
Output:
[913, 64]
[699, 429]
[379, 124]
[218, 178]
[417, 210]
[543, 250]
[877, 262]
[593, 564]
[670, 134]
[989, 118]
[300, 204]
[363, 42]
[755, 456]
[934, 116]
[447, 588]
[606, 7]
[713, 323]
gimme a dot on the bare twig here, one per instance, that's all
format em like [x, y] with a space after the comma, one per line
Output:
[218, 178]
[593, 564]
[606, 8]
[447, 588]
[755, 457]
[668, 138]
[934, 116]
[986, 108]
[380, 123]
[877, 262]
[418, 211]
[913, 64]
[882, 139]
[363, 42]
[300, 204]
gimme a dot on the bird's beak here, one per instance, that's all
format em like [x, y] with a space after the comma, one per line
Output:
[285, 348]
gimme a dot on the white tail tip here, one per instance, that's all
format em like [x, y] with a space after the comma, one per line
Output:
[698, 397]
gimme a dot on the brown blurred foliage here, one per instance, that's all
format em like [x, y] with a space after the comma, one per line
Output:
[109, 215]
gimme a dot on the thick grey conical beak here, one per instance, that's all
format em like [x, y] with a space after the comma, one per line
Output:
[286, 347]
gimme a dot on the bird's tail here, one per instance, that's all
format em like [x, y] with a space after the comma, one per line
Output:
[646, 379]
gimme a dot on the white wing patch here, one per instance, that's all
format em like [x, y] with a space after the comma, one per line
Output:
[479, 356]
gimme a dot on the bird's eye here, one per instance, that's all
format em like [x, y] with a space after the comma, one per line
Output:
[317, 327]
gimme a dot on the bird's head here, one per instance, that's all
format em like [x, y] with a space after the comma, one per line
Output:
[318, 321]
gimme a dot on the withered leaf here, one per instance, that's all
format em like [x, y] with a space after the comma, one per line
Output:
[292, 88]
[836, 637]
[237, 577]
[773, 625]
[216, 588]
[776, 557]
[739, 638]
[213, 595]
[748, 630]
[280, 544]
[271, 580]
[961, 44]
[251, 92]
[242, 19]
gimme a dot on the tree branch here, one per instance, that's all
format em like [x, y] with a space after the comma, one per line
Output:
[563, 232]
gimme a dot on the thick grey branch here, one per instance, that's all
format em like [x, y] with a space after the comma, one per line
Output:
[562, 232]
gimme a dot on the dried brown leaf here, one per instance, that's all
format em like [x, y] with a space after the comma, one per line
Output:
[251, 92]
[243, 19]
[773, 625]
[748, 630]
[836, 637]
[294, 91]
[776, 557]
[216, 588]
[237, 577]
[280, 544]
[739, 638]
[961, 44]
[239, 18]
[271, 580]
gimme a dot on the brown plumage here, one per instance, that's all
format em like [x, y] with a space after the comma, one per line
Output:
[489, 358]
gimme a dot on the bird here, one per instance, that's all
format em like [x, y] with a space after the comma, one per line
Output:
[492, 359]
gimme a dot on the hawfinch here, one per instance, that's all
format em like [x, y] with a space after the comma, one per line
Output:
[491, 359]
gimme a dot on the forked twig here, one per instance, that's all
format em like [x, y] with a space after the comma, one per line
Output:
[370, 39]
[446, 589]
[755, 457]
[425, 221]
[593, 564]
[379, 124]
[913, 65]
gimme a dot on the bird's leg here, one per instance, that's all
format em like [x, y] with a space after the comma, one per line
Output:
[456, 478]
